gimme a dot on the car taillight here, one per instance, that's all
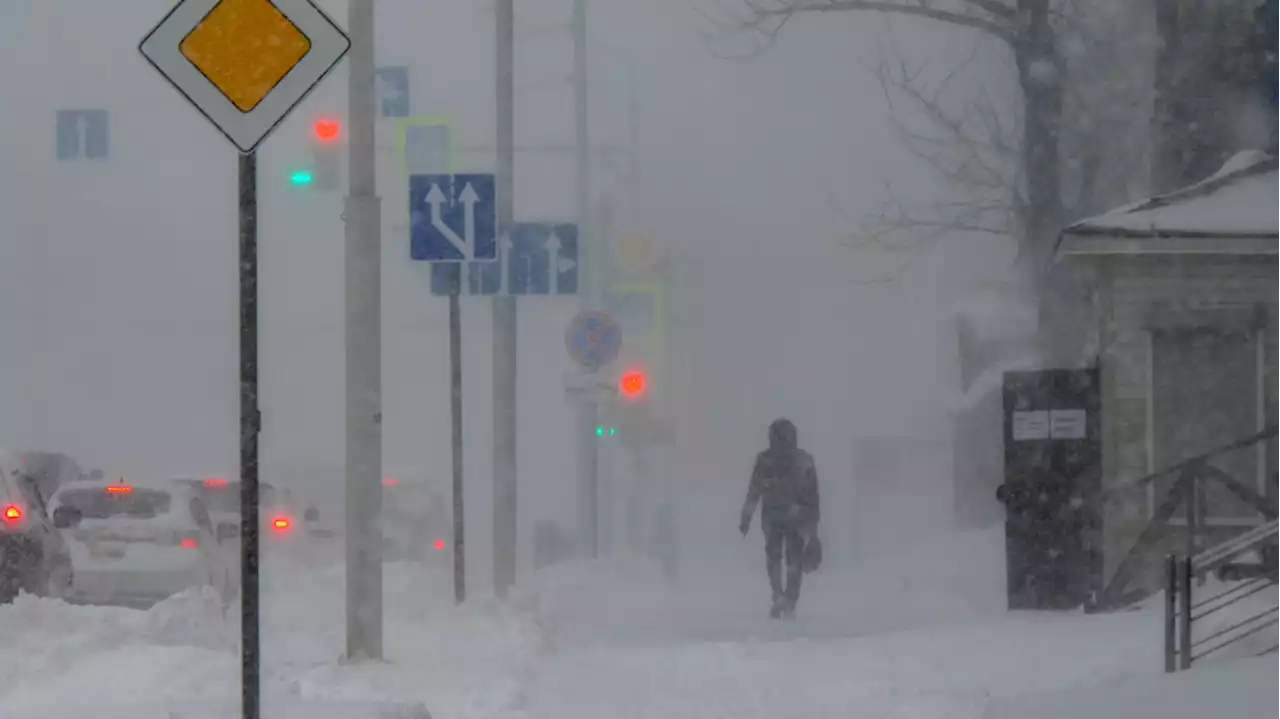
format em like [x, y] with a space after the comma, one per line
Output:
[280, 523]
[188, 543]
[118, 488]
[12, 513]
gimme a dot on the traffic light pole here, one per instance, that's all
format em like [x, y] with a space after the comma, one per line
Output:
[363, 324]
[589, 414]
[504, 316]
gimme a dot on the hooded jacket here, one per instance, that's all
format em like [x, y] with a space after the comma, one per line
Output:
[784, 482]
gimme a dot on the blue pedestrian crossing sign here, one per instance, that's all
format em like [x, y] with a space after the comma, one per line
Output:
[593, 339]
[452, 218]
[426, 145]
[81, 135]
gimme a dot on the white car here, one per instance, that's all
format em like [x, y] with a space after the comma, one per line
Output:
[135, 544]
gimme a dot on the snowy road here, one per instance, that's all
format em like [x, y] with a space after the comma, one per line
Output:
[584, 643]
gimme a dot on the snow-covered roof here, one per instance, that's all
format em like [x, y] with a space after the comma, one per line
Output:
[1232, 212]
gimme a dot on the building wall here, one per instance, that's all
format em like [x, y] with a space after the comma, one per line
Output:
[1136, 295]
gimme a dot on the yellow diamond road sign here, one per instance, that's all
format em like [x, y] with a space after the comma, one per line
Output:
[245, 63]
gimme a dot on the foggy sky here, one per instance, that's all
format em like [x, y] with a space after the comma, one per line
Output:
[118, 279]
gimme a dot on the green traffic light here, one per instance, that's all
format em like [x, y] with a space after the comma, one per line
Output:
[601, 430]
[300, 177]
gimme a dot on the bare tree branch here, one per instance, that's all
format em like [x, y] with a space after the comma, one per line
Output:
[1002, 30]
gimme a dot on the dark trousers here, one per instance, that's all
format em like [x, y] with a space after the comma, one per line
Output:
[783, 538]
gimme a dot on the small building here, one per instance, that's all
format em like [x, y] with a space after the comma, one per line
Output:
[1183, 290]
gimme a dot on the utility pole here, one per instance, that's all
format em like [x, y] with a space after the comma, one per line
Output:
[589, 412]
[504, 316]
[363, 269]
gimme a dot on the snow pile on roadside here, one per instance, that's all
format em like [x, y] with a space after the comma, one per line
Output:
[467, 662]
[1243, 689]
[180, 659]
[68, 661]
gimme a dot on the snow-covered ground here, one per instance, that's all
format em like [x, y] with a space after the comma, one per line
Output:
[920, 634]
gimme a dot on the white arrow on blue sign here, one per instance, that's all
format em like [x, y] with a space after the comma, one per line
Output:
[452, 218]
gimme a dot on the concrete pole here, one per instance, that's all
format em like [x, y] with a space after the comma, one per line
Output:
[592, 294]
[363, 348]
[504, 318]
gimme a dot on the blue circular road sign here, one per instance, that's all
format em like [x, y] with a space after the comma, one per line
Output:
[593, 339]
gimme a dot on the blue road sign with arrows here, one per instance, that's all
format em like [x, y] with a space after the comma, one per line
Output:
[392, 85]
[541, 258]
[452, 218]
[81, 135]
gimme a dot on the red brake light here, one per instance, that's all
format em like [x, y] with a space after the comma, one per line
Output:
[438, 544]
[119, 488]
[215, 482]
[12, 513]
[188, 543]
[281, 523]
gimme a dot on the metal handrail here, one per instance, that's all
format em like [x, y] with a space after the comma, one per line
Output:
[1180, 614]
[1256, 586]
[1234, 627]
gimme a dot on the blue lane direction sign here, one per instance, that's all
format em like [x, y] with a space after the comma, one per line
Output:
[543, 260]
[81, 135]
[392, 86]
[452, 218]
[593, 339]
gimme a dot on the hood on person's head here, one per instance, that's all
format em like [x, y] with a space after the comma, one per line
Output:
[782, 434]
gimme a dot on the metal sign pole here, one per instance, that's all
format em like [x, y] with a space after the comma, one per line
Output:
[250, 422]
[455, 410]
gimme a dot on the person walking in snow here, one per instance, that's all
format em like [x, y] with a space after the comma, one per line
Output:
[784, 482]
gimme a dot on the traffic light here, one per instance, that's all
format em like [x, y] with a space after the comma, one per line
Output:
[603, 431]
[325, 170]
[633, 384]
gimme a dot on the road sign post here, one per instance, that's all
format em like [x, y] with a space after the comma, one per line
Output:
[455, 415]
[244, 64]
[593, 340]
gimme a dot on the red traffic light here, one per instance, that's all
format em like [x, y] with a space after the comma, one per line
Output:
[633, 383]
[326, 129]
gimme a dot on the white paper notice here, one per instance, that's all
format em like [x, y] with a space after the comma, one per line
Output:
[1030, 425]
[1067, 423]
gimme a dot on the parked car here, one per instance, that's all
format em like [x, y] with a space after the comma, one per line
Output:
[33, 555]
[137, 544]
